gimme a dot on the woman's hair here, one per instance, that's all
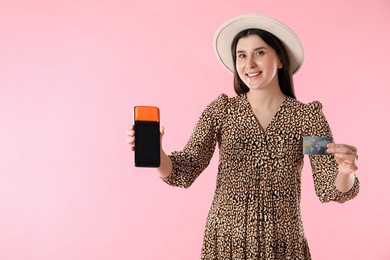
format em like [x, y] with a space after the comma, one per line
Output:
[284, 73]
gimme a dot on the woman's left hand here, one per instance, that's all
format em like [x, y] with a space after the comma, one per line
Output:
[346, 157]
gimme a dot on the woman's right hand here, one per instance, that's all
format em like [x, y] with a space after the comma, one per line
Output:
[131, 137]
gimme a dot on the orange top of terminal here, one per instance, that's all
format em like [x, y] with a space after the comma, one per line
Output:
[146, 113]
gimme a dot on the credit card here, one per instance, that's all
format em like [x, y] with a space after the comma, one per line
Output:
[316, 144]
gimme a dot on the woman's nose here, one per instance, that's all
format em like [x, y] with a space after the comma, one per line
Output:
[250, 63]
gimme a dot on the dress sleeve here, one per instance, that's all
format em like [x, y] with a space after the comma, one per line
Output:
[190, 162]
[324, 167]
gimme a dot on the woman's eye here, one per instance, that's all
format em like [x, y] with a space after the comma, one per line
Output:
[241, 56]
[259, 53]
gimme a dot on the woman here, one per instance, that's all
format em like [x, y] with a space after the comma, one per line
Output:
[255, 212]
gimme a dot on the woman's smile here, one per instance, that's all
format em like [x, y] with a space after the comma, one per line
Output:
[253, 75]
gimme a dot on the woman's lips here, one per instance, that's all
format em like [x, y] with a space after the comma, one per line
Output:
[253, 74]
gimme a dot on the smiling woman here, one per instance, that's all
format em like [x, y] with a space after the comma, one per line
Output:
[256, 212]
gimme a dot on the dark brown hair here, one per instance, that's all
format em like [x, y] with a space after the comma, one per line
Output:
[284, 74]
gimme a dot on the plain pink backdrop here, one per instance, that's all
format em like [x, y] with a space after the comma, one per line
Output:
[71, 72]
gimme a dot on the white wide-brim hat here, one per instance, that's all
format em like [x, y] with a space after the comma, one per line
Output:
[224, 36]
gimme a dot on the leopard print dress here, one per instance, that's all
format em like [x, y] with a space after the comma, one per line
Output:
[255, 213]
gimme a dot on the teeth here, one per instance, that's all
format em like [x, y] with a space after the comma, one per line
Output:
[253, 74]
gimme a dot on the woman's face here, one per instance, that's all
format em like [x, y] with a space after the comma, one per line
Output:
[257, 63]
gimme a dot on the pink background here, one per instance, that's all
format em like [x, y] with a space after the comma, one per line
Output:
[72, 70]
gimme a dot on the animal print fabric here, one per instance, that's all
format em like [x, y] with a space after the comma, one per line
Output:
[255, 213]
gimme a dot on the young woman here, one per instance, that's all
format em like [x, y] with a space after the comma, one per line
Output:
[255, 213]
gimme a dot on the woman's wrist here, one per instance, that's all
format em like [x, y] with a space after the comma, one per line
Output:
[165, 168]
[345, 181]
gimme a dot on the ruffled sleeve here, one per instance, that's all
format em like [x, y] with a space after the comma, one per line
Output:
[324, 167]
[190, 162]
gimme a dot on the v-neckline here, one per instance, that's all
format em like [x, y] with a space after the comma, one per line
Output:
[273, 119]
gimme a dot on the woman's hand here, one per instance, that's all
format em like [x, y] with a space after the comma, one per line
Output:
[346, 157]
[131, 137]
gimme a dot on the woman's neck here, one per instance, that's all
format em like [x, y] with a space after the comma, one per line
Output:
[266, 99]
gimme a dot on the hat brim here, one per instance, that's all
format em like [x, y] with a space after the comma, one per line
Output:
[224, 36]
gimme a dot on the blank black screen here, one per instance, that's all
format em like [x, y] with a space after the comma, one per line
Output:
[147, 144]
